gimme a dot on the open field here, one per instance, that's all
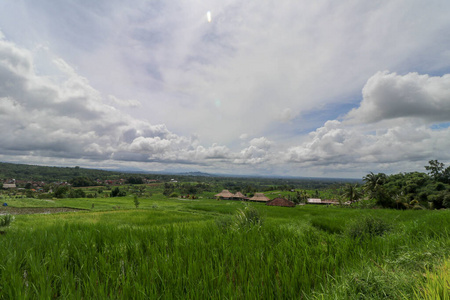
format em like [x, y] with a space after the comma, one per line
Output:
[190, 249]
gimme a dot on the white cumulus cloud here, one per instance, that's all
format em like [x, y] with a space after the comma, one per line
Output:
[389, 96]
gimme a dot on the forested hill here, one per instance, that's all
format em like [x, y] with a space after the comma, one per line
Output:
[43, 173]
[25, 172]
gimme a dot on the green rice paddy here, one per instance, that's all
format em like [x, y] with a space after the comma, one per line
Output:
[196, 249]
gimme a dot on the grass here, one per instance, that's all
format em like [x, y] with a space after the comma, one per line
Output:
[5, 220]
[437, 283]
[173, 248]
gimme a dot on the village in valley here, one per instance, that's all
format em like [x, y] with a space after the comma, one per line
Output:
[278, 201]
[60, 183]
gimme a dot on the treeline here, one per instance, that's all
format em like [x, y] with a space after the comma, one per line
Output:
[52, 174]
[411, 190]
[256, 184]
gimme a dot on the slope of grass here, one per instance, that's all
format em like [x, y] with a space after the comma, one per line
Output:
[200, 249]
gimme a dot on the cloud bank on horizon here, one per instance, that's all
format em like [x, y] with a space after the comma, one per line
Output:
[307, 89]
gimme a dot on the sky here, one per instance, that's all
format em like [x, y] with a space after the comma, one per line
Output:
[278, 88]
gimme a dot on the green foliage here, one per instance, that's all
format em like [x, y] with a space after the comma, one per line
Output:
[446, 200]
[168, 189]
[29, 194]
[398, 190]
[437, 283]
[352, 192]
[224, 222]
[375, 186]
[438, 171]
[247, 219]
[170, 249]
[374, 282]
[365, 203]
[116, 192]
[327, 224]
[81, 181]
[50, 174]
[440, 200]
[136, 201]
[298, 197]
[76, 193]
[6, 220]
[367, 227]
[61, 191]
[135, 180]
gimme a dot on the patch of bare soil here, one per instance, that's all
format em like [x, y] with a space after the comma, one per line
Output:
[35, 210]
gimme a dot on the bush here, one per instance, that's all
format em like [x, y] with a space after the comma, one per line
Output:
[135, 180]
[77, 193]
[136, 201]
[45, 196]
[446, 201]
[116, 192]
[368, 226]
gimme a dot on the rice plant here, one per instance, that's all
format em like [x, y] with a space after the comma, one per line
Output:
[5, 220]
[436, 284]
[179, 252]
[247, 218]
[368, 226]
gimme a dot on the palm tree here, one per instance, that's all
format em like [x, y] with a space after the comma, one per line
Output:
[352, 193]
[373, 182]
[374, 186]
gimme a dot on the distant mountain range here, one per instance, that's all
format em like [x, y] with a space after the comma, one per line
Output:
[46, 173]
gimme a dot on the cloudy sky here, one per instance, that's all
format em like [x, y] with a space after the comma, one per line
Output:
[303, 88]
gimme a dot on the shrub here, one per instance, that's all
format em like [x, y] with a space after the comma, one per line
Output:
[446, 201]
[368, 226]
[135, 180]
[77, 193]
[116, 192]
[440, 186]
[136, 201]
[45, 196]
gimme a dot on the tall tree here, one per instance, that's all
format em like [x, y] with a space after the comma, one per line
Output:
[435, 169]
[372, 182]
[374, 186]
[352, 193]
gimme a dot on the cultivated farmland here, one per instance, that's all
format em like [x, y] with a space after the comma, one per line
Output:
[208, 249]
